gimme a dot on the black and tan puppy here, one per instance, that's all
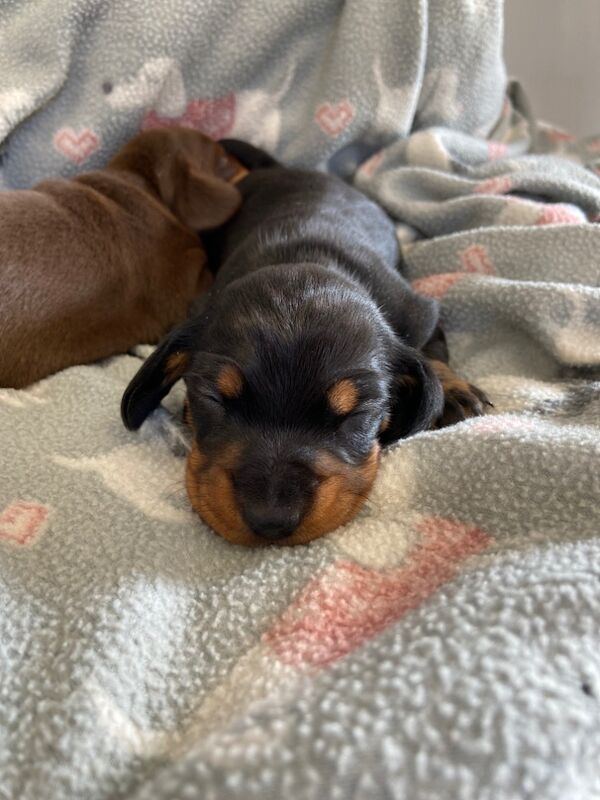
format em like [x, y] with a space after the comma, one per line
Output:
[301, 362]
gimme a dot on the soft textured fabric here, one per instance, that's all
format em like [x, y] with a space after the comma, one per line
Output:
[446, 643]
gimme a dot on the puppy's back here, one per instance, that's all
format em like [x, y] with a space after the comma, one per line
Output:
[80, 275]
[289, 214]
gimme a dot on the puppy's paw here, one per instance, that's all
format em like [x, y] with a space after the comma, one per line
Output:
[462, 400]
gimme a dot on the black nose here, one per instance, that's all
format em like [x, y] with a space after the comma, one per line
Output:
[273, 524]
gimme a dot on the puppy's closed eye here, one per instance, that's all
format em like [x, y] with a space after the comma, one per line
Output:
[214, 381]
[355, 421]
[214, 398]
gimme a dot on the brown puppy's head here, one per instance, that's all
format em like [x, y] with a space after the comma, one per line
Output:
[287, 420]
[191, 174]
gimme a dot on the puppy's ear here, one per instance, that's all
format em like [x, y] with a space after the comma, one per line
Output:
[157, 375]
[416, 396]
[198, 199]
[248, 155]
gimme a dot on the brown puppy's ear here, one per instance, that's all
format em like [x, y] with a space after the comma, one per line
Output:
[199, 200]
[157, 375]
[416, 396]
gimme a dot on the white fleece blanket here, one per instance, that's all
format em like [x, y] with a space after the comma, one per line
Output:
[446, 643]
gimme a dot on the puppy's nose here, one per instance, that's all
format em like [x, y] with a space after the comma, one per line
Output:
[272, 524]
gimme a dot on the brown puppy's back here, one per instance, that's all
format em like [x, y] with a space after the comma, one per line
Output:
[92, 266]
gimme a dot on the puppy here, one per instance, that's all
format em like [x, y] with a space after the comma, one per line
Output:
[307, 356]
[92, 266]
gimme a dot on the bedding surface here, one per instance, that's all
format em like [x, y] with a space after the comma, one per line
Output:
[445, 644]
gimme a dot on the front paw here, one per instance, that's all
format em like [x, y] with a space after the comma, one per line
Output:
[462, 400]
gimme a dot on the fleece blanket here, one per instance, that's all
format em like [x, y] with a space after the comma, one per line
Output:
[445, 644]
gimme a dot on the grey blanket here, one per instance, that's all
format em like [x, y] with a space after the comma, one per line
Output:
[446, 643]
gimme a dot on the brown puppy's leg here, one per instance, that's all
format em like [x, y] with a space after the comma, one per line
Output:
[461, 399]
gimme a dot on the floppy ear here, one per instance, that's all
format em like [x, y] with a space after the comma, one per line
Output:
[199, 200]
[251, 157]
[416, 396]
[158, 374]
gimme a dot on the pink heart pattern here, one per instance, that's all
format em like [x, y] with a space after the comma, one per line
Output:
[349, 604]
[22, 522]
[333, 118]
[501, 184]
[476, 259]
[77, 147]
[437, 286]
[557, 214]
[213, 117]
[496, 150]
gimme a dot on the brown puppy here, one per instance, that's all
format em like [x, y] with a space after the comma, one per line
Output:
[92, 266]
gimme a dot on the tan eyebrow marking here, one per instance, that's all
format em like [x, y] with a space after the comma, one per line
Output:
[343, 396]
[230, 382]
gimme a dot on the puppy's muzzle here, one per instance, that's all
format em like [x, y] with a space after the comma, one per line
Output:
[286, 504]
[274, 498]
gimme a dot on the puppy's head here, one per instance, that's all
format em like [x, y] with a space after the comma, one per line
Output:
[287, 420]
[191, 174]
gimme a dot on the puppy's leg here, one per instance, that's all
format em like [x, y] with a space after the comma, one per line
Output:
[461, 399]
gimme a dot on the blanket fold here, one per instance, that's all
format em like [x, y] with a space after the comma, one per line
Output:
[444, 644]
